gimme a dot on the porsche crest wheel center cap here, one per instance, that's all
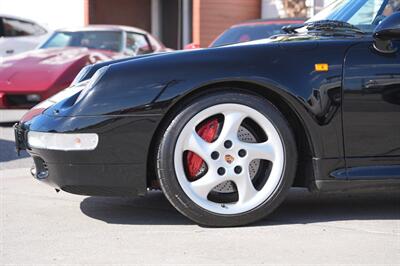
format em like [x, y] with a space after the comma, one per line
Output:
[229, 158]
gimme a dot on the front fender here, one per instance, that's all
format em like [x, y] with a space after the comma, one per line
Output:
[315, 97]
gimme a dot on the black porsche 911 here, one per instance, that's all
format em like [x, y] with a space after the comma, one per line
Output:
[225, 132]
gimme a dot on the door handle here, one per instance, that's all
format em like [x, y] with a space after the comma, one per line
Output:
[9, 51]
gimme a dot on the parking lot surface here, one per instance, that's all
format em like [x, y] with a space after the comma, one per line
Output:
[40, 226]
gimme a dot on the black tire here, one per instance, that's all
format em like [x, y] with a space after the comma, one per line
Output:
[165, 161]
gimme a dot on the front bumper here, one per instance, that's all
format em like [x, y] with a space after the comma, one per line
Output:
[89, 179]
[117, 167]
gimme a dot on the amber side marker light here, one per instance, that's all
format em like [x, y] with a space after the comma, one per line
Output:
[321, 67]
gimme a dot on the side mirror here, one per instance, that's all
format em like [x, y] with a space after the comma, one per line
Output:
[387, 31]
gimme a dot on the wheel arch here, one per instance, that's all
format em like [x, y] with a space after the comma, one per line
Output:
[304, 173]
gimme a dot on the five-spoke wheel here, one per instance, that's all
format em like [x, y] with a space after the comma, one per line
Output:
[227, 159]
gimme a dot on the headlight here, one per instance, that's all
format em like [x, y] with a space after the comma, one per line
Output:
[33, 98]
[92, 82]
[63, 141]
[81, 75]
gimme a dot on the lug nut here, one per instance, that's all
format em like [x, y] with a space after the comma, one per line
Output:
[238, 169]
[214, 155]
[221, 171]
[242, 153]
[228, 144]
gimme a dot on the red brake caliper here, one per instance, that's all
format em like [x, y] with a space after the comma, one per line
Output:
[208, 132]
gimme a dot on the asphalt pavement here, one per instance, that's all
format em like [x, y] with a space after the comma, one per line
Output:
[40, 226]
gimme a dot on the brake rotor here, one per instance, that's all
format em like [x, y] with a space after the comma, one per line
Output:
[228, 186]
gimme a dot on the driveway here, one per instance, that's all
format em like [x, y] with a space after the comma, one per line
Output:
[40, 226]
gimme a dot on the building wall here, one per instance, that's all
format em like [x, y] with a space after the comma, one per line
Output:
[275, 8]
[135, 13]
[211, 18]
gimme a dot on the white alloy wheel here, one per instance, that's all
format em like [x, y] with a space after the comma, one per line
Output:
[230, 159]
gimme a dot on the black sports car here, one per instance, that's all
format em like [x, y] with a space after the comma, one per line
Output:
[227, 131]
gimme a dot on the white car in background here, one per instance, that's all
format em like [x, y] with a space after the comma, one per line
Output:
[18, 35]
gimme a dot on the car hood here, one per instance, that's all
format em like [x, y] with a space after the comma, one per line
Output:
[39, 69]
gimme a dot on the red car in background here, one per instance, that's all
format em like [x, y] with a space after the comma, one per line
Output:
[29, 78]
[250, 31]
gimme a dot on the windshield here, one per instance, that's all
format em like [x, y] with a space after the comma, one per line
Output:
[102, 40]
[364, 14]
[247, 33]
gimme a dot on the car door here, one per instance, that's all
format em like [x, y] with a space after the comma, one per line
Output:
[371, 112]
